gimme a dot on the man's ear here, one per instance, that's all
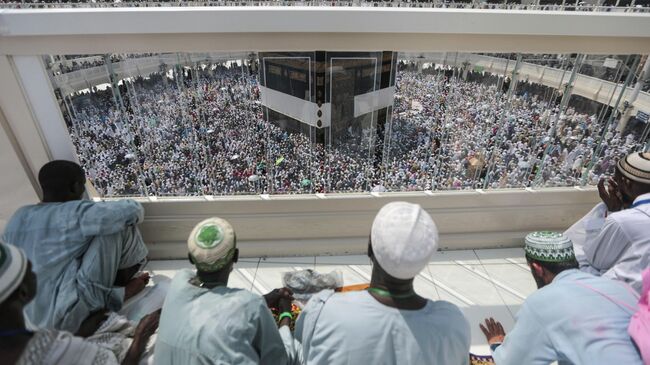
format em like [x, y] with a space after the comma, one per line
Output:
[189, 257]
[537, 269]
[628, 183]
[370, 253]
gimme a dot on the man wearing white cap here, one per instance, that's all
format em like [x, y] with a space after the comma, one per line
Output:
[574, 317]
[206, 322]
[18, 345]
[613, 240]
[389, 323]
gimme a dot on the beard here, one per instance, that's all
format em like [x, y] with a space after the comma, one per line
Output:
[538, 280]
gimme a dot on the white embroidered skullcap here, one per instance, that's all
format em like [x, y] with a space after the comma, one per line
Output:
[13, 266]
[212, 244]
[549, 246]
[636, 166]
[403, 239]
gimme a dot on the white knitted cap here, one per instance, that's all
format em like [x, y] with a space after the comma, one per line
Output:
[212, 244]
[403, 239]
[636, 166]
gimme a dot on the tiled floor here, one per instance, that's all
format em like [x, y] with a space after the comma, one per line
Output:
[482, 283]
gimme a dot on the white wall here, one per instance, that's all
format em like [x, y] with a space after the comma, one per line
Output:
[340, 223]
[15, 188]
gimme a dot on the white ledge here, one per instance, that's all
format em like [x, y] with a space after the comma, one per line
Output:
[48, 22]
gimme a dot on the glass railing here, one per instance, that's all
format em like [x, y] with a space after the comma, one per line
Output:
[180, 124]
[607, 6]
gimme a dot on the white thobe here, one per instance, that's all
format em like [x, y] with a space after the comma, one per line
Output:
[354, 328]
[616, 247]
[572, 322]
[216, 326]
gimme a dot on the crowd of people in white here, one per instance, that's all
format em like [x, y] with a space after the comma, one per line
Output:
[207, 134]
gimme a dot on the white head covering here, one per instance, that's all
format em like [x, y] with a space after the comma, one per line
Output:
[212, 244]
[636, 166]
[549, 246]
[13, 266]
[403, 239]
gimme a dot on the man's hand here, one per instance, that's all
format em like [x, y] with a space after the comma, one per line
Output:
[493, 331]
[274, 296]
[145, 329]
[91, 324]
[147, 326]
[610, 195]
[284, 304]
[136, 285]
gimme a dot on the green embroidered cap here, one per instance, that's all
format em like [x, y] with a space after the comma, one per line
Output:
[212, 244]
[13, 267]
[549, 247]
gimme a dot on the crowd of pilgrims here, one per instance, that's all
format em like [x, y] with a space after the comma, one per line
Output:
[204, 133]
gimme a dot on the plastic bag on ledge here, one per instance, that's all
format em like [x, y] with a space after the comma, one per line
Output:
[305, 283]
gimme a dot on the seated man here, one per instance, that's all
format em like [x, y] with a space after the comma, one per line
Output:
[206, 322]
[84, 253]
[389, 323]
[613, 240]
[18, 345]
[575, 317]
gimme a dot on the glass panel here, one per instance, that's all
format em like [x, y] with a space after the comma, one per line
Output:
[292, 162]
[588, 126]
[178, 124]
[413, 132]
[101, 130]
[353, 132]
[541, 77]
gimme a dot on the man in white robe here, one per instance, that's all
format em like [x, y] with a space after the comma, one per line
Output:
[117, 341]
[613, 240]
[206, 322]
[389, 323]
[85, 253]
[574, 318]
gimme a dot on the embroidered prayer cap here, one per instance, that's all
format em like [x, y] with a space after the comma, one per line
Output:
[13, 266]
[548, 246]
[212, 244]
[403, 239]
[636, 166]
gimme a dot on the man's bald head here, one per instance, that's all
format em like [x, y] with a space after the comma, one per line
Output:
[61, 181]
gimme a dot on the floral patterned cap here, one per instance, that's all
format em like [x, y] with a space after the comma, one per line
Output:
[212, 244]
[548, 246]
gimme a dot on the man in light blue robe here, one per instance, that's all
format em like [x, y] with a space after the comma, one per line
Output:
[574, 318]
[388, 324]
[84, 253]
[205, 322]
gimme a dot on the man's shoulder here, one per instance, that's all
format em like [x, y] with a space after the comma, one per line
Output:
[26, 209]
[443, 313]
[626, 216]
[346, 297]
[181, 284]
[18, 214]
[547, 296]
[446, 308]
[25, 213]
